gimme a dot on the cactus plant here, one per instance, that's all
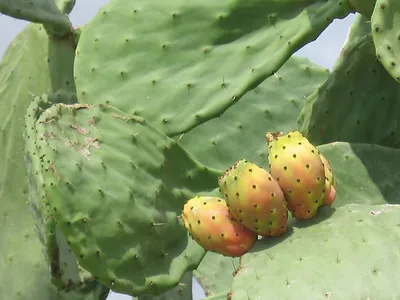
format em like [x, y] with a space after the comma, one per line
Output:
[126, 118]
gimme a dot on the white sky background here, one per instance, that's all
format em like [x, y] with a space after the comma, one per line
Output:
[323, 51]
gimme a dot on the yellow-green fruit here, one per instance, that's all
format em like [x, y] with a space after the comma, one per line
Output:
[210, 223]
[255, 199]
[298, 168]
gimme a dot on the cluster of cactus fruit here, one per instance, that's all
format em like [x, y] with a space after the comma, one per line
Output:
[257, 202]
[126, 118]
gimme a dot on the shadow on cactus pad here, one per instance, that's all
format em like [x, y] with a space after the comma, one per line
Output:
[116, 186]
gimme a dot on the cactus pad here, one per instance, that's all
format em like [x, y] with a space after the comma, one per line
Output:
[372, 98]
[385, 22]
[65, 270]
[350, 254]
[187, 62]
[274, 106]
[116, 186]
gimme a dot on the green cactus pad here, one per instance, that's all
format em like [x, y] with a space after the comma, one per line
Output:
[372, 98]
[215, 273]
[187, 62]
[273, 106]
[349, 253]
[117, 186]
[24, 272]
[65, 271]
[183, 291]
[385, 23]
[45, 12]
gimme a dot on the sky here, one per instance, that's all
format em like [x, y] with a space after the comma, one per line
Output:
[323, 51]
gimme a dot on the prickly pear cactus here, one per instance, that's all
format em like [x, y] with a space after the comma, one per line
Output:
[107, 184]
[139, 211]
[165, 54]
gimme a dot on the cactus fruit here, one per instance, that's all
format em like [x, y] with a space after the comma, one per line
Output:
[297, 167]
[255, 198]
[212, 225]
[330, 182]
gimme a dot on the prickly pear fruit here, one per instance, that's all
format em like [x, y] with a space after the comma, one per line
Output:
[211, 224]
[255, 199]
[297, 167]
[330, 182]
